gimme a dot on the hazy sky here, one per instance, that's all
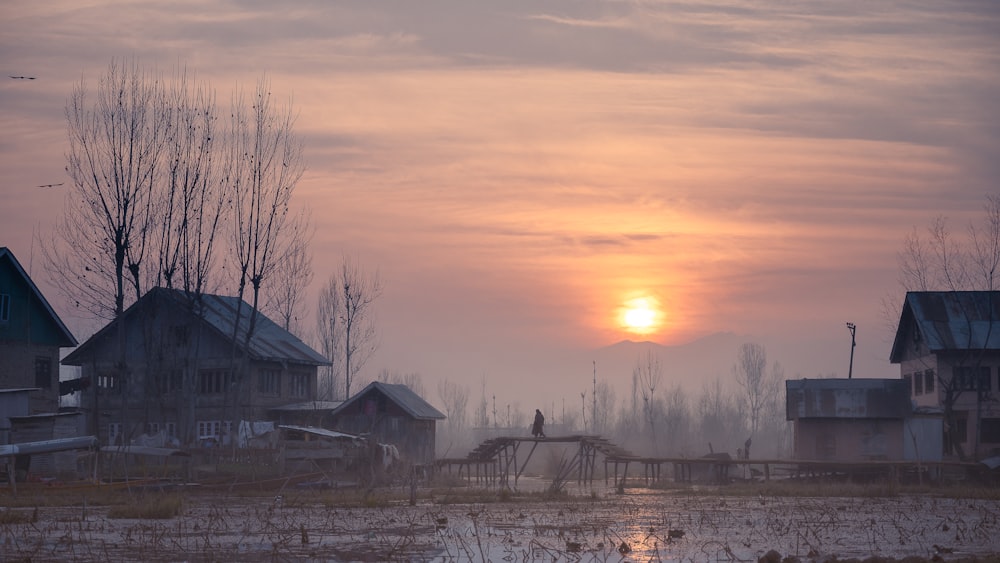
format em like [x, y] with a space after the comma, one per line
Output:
[518, 170]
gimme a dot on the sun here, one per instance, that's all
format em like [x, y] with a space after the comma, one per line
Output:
[640, 315]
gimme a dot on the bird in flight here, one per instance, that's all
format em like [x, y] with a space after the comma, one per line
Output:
[51, 185]
[22, 77]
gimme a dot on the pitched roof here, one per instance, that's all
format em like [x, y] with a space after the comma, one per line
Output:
[67, 338]
[950, 320]
[400, 394]
[269, 342]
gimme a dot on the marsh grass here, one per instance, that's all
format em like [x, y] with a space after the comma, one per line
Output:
[793, 489]
[18, 516]
[149, 507]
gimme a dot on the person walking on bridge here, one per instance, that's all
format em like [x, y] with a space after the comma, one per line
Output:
[536, 428]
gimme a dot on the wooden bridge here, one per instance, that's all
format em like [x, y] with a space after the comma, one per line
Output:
[501, 461]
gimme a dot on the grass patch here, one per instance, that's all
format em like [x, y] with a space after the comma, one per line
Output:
[149, 507]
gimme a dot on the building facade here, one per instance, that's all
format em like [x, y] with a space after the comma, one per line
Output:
[31, 335]
[850, 419]
[391, 414]
[190, 368]
[947, 345]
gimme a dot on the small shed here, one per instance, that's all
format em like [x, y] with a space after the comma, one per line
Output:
[848, 419]
[391, 414]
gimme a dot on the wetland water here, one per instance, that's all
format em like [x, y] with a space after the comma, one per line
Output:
[637, 526]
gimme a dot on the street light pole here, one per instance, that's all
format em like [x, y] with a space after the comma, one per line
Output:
[850, 369]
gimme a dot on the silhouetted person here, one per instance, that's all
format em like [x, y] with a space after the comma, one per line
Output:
[536, 428]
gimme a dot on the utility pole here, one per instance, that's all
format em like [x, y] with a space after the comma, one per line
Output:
[593, 410]
[850, 369]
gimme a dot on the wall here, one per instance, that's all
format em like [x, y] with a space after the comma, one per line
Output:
[831, 439]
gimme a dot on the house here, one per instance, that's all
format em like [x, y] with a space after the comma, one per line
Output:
[859, 420]
[391, 414]
[182, 365]
[947, 345]
[31, 334]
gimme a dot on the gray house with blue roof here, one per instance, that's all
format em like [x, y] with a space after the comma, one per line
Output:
[182, 366]
[947, 345]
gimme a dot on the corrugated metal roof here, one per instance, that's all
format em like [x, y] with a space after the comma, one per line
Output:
[950, 320]
[413, 404]
[308, 406]
[847, 398]
[269, 342]
[67, 337]
[318, 431]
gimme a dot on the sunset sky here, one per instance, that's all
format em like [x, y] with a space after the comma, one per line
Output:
[520, 170]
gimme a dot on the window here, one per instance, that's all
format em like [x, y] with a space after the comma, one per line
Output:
[990, 432]
[929, 381]
[4, 307]
[171, 428]
[211, 381]
[968, 378]
[269, 381]
[111, 384]
[43, 372]
[214, 428]
[918, 384]
[909, 383]
[208, 429]
[152, 428]
[298, 385]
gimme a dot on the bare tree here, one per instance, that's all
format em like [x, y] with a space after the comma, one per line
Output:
[720, 415]
[192, 203]
[760, 388]
[646, 375]
[266, 164]
[604, 405]
[359, 292]
[938, 260]
[266, 159]
[676, 418]
[116, 145]
[482, 416]
[455, 398]
[328, 330]
[285, 296]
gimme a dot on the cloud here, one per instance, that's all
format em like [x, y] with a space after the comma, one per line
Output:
[517, 168]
